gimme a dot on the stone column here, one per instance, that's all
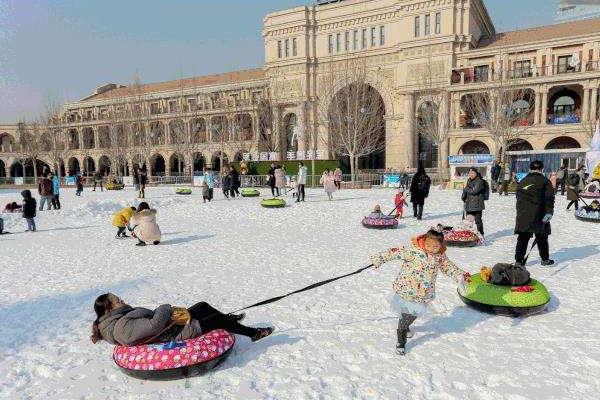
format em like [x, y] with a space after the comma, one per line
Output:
[585, 109]
[302, 119]
[457, 112]
[409, 134]
[594, 105]
[96, 138]
[536, 110]
[544, 117]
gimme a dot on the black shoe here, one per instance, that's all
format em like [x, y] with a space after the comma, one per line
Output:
[237, 318]
[156, 242]
[140, 244]
[401, 345]
[547, 263]
[262, 333]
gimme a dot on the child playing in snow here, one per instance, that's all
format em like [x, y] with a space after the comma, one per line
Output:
[400, 202]
[594, 206]
[376, 212]
[205, 192]
[121, 219]
[29, 209]
[415, 285]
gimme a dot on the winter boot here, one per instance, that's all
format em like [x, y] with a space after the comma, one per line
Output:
[140, 243]
[547, 263]
[237, 317]
[156, 242]
[403, 329]
[261, 333]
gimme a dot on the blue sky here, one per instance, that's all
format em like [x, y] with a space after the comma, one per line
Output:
[65, 48]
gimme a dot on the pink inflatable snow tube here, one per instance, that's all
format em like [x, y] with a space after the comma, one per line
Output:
[380, 223]
[175, 360]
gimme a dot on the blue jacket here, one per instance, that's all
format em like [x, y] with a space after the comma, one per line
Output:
[209, 179]
[55, 185]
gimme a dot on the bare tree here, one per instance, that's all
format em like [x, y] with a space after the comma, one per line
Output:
[54, 139]
[504, 110]
[351, 111]
[140, 138]
[180, 140]
[431, 119]
[30, 145]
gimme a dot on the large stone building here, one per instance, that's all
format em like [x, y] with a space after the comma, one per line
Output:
[452, 43]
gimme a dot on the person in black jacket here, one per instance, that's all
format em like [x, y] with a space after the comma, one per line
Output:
[226, 183]
[535, 207]
[271, 179]
[29, 209]
[419, 190]
[496, 170]
[235, 181]
[474, 197]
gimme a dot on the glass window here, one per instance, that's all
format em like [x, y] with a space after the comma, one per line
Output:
[438, 23]
[373, 37]
[364, 39]
[355, 40]
[330, 44]
[287, 48]
[294, 47]
[347, 41]
[427, 25]
[417, 26]
[279, 52]
[338, 42]
[382, 35]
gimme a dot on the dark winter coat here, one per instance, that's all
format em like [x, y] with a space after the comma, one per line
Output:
[226, 182]
[45, 187]
[496, 169]
[272, 177]
[143, 177]
[419, 188]
[509, 275]
[129, 326]
[473, 195]
[29, 204]
[235, 179]
[535, 199]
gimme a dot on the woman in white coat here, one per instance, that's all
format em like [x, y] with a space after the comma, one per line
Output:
[144, 225]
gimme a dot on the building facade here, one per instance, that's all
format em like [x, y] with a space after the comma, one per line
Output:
[408, 48]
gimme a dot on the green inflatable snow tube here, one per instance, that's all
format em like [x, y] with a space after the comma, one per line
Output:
[249, 192]
[501, 300]
[183, 191]
[273, 203]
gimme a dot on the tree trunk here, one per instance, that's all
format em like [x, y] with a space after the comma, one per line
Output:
[352, 168]
[35, 175]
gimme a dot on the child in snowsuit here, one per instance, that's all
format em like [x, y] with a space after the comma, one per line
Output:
[29, 209]
[400, 202]
[121, 219]
[415, 285]
[594, 206]
[376, 213]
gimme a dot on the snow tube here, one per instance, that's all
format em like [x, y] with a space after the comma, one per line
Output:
[385, 222]
[115, 186]
[183, 190]
[273, 203]
[587, 216]
[249, 192]
[501, 300]
[591, 191]
[175, 360]
[460, 238]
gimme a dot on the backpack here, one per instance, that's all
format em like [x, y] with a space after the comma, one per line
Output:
[574, 179]
[486, 190]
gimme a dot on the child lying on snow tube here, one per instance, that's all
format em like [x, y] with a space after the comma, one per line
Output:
[12, 207]
[415, 285]
[122, 325]
[591, 191]
[589, 213]
[465, 235]
[507, 290]
[378, 220]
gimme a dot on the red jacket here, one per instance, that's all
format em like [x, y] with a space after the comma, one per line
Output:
[45, 187]
[400, 201]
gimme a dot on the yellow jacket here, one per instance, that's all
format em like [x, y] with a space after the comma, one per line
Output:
[121, 218]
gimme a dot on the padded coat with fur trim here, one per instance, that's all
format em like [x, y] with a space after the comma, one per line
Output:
[145, 227]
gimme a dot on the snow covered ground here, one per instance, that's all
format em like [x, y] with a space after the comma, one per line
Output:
[335, 342]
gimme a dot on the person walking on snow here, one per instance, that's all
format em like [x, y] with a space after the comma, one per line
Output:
[400, 202]
[98, 181]
[328, 182]
[79, 184]
[495, 173]
[419, 191]
[415, 285]
[28, 208]
[474, 196]
[337, 178]
[561, 179]
[576, 182]
[301, 182]
[535, 207]
[271, 179]
[45, 190]
[279, 179]
[55, 192]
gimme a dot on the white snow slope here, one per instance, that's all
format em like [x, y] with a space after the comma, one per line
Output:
[335, 342]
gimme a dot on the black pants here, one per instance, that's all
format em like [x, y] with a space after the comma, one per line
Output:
[523, 243]
[301, 192]
[478, 220]
[561, 185]
[226, 192]
[101, 187]
[121, 231]
[56, 202]
[504, 188]
[210, 319]
[338, 184]
[418, 210]
[576, 202]
[232, 192]
[274, 190]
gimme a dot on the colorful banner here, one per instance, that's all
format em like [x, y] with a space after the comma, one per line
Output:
[198, 180]
[70, 180]
[391, 181]
[471, 159]
[593, 156]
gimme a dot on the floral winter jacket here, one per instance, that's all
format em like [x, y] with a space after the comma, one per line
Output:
[416, 281]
